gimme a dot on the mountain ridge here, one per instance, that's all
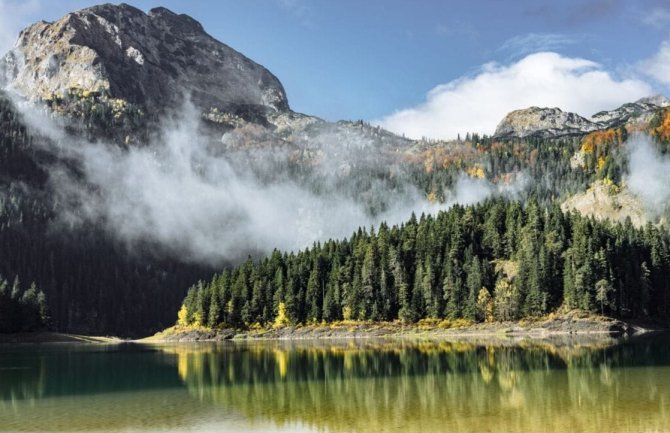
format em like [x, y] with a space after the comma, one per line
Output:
[553, 122]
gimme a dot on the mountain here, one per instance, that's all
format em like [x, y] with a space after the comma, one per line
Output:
[544, 123]
[150, 60]
[553, 122]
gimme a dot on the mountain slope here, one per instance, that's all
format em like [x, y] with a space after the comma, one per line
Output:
[608, 202]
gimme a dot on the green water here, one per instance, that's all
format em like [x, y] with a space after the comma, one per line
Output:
[369, 386]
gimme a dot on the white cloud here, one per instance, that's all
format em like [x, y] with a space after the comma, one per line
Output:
[647, 177]
[479, 102]
[658, 66]
[14, 16]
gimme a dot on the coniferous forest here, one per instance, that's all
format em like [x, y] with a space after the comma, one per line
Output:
[499, 260]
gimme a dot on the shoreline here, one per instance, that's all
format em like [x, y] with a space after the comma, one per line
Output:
[572, 325]
[569, 325]
[48, 337]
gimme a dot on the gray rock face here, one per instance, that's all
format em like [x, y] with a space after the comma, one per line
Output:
[544, 123]
[152, 60]
[552, 122]
[630, 111]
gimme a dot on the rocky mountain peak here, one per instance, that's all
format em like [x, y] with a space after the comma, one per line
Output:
[553, 122]
[153, 60]
[542, 122]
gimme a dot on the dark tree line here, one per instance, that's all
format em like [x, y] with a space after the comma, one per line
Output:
[21, 309]
[497, 260]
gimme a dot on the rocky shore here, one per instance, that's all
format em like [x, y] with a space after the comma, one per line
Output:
[573, 323]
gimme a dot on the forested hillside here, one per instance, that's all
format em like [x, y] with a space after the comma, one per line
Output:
[92, 282]
[499, 260]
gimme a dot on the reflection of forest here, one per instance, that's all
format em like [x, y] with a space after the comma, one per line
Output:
[437, 386]
[21, 380]
[367, 386]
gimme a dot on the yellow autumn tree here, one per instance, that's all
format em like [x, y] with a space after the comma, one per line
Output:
[485, 304]
[477, 172]
[506, 302]
[347, 313]
[182, 316]
[282, 319]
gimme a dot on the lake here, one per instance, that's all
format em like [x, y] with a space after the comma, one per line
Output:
[339, 386]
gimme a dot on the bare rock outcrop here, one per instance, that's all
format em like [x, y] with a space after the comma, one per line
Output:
[553, 122]
[543, 123]
[152, 60]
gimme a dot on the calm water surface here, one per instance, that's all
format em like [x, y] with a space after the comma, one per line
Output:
[371, 386]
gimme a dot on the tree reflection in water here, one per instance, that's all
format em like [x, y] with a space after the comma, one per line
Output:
[351, 386]
[436, 386]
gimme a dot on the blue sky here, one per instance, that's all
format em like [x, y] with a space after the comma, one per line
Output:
[399, 62]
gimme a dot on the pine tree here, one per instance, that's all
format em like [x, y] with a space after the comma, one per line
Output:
[370, 284]
[314, 293]
[215, 313]
[603, 289]
[474, 284]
